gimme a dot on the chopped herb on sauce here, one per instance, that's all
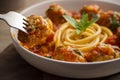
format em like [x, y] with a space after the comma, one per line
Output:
[78, 52]
[114, 22]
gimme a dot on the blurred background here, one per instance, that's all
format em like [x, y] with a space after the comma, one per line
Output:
[7, 5]
[16, 5]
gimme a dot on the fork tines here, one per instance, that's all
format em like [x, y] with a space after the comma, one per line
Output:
[25, 22]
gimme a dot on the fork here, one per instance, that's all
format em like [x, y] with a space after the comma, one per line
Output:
[15, 20]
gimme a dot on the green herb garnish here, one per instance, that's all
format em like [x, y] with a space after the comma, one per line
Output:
[59, 47]
[30, 28]
[114, 22]
[77, 52]
[93, 15]
[82, 25]
[48, 56]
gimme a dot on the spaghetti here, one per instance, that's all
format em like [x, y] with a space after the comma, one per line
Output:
[87, 40]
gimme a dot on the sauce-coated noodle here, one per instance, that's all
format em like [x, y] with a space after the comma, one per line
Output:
[84, 41]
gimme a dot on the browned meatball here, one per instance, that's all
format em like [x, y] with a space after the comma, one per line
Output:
[38, 29]
[66, 54]
[90, 9]
[101, 53]
[104, 19]
[109, 18]
[114, 40]
[55, 13]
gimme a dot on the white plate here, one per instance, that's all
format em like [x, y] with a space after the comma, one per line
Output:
[62, 68]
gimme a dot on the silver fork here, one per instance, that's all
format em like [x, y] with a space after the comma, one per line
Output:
[15, 20]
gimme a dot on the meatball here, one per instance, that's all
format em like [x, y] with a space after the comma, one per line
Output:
[38, 30]
[90, 9]
[109, 18]
[67, 54]
[113, 40]
[101, 53]
[56, 12]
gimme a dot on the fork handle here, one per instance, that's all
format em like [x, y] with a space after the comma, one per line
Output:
[1, 16]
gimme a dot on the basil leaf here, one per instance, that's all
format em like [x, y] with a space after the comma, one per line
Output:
[114, 22]
[71, 20]
[82, 25]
